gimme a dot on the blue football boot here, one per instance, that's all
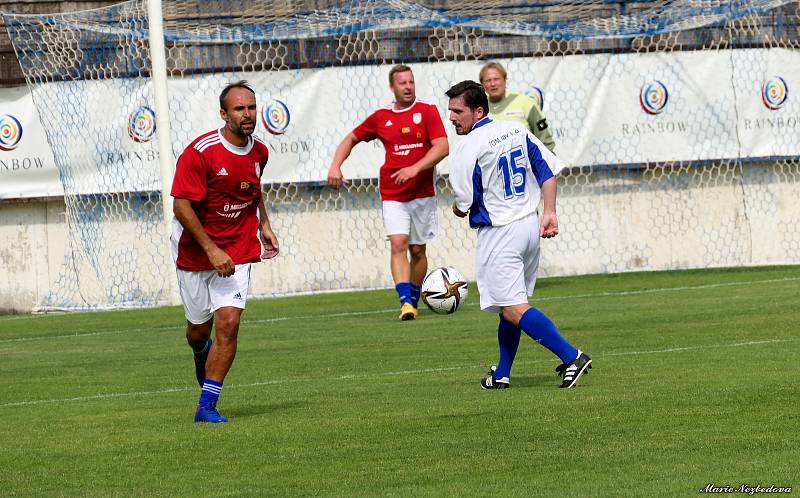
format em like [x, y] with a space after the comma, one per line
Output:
[208, 413]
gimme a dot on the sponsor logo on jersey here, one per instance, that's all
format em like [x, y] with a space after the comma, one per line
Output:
[10, 132]
[405, 149]
[222, 172]
[515, 113]
[233, 215]
[236, 207]
[774, 93]
[238, 296]
[275, 116]
[405, 129]
[245, 185]
[142, 124]
[537, 95]
[258, 169]
[653, 97]
[388, 123]
[416, 117]
[233, 210]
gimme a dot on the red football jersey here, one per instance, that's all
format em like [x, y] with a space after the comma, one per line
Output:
[224, 184]
[406, 135]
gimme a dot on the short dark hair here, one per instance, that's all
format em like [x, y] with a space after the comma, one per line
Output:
[474, 94]
[239, 84]
[398, 68]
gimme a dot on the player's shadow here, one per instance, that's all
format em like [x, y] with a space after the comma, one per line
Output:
[537, 381]
[255, 410]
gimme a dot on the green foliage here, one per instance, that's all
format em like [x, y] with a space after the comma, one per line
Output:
[695, 381]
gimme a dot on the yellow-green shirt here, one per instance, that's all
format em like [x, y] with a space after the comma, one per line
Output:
[523, 109]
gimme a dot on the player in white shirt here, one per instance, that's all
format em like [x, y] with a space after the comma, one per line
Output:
[499, 173]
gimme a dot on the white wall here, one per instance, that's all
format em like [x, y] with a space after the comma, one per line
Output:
[31, 251]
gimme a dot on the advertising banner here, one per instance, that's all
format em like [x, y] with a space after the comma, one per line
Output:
[602, 109]
[27, 168]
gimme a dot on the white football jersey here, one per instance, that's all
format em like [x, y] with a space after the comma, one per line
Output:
[496, 172]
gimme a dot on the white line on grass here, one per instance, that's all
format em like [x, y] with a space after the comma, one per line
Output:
[668, 289]
[79, 333]
[370, 376]
[393, 310]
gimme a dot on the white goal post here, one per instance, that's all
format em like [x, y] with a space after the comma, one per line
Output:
[161, 101]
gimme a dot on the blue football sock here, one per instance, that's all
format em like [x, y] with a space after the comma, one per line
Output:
[404, 291]
[415, 293]
[508, 339]
[210, 392]
[543, 330]
[204, 349]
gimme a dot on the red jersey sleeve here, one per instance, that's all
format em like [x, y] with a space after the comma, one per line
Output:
[265, 159]
[190, 176]
[367, 130]
[434, 123]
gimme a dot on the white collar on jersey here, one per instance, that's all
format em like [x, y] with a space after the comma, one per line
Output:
[403, 110]
[240, 151]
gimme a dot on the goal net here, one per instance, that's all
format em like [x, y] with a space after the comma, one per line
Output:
[675, 119]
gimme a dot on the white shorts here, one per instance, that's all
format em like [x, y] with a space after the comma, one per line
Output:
[204, 292]
[415, 218]
[507, 263]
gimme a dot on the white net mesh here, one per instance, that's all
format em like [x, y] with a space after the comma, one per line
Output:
[708, 182]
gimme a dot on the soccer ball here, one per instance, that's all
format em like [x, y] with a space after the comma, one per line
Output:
[444, 290]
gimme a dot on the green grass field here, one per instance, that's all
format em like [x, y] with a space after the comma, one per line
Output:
[695, 381]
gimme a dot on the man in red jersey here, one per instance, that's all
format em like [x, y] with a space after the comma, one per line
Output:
[219, 227]
[415, 141]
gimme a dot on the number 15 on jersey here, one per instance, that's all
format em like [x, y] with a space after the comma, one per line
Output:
[513, 166]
